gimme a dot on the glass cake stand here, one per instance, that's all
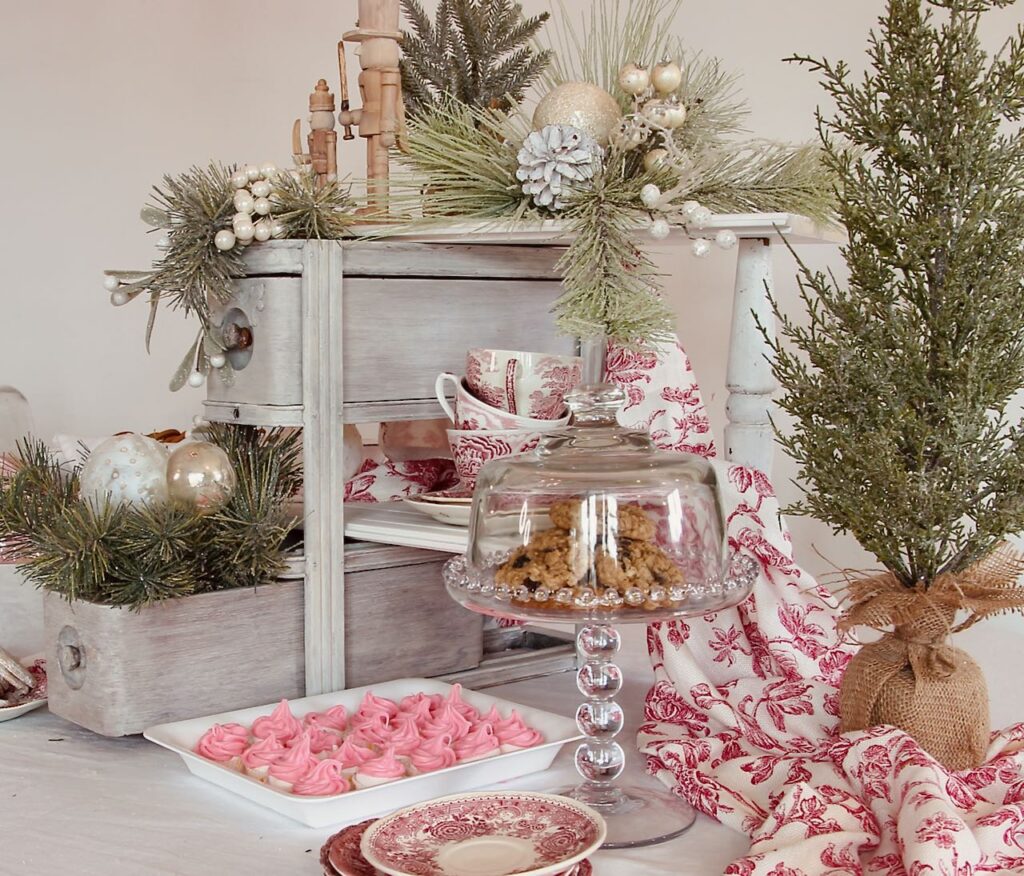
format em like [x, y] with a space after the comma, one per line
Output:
[598, 528]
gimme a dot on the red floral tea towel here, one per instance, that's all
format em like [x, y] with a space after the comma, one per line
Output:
[742, 719]
[662, 396]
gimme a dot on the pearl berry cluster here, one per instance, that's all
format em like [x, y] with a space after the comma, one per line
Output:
[252, 221]
[656, 107]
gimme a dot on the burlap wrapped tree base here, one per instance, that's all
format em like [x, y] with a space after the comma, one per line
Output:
[912, 678]
[915, 680]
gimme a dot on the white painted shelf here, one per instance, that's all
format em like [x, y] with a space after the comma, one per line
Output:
[396, 523]
[795, 228]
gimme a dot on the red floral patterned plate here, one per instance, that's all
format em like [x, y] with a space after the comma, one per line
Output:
[498, 833]
[340, 855]
[34, 698]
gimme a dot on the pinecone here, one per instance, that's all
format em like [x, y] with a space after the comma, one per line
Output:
[554, 158]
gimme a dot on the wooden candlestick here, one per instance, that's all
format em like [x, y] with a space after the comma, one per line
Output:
[381, 121]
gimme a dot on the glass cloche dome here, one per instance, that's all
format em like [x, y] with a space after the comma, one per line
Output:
[596, 524]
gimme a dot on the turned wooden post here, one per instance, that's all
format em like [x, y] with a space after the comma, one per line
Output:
[748, 435]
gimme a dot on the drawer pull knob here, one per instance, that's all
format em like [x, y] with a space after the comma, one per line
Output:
[71, 657]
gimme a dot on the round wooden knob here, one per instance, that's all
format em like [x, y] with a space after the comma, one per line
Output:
[71, 657]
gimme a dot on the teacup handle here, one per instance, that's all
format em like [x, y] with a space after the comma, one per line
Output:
[442, 398]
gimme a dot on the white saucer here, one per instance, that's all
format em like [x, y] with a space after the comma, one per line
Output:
[454, 514]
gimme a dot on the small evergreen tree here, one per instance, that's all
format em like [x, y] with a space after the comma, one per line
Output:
[901, 383]
[477, 53]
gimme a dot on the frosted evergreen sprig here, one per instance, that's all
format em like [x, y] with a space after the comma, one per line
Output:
[477, 52]
[134, 556]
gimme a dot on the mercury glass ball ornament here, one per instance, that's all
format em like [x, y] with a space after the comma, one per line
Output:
[655, 158]
[200, 476]
[634, 79]
[581, 105]
[127, 470]
[667, 76]
[675, 113]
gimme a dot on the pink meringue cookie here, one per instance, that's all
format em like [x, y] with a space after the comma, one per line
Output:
[295, 764]
[419, 712]
[492, 717]
[414, 702]
[477, 744]
[380, 770]
[376, 728]
[434, 754]
[324, 780]
[224, 743]
[256, 759]
[513, 734]
[338, 716]
[371, 707]
[323, 721]
[322, 741]
[470, 713]
[281, 722]
[352, 754]
[448, 720]
[405, 737]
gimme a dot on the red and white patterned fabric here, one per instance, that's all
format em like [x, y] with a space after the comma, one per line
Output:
[387, 481]
[662, 396]
[742, 720]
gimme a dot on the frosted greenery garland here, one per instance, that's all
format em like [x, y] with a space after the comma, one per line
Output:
[191, 209]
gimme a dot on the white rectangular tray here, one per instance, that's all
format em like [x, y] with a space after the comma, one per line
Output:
[182, 736]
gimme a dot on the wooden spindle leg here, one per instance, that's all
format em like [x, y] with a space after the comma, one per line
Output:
[748, 435]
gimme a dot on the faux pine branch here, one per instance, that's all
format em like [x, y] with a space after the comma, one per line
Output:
[900, 382]
[477, 52]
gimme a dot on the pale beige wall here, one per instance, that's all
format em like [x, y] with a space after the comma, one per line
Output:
[99, 99]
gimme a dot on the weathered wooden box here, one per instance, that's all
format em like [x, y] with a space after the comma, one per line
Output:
[117, 672]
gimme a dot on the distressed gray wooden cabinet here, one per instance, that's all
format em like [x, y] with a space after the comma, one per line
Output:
[357, 332]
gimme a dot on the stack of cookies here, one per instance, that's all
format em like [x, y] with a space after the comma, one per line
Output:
[601, 556]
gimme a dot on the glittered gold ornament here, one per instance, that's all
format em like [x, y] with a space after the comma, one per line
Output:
[581, 105]
[200, 477]
[125, 470]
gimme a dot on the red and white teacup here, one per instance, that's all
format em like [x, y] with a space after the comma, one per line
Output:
[472, 448]
[471, 413]
[530, 385]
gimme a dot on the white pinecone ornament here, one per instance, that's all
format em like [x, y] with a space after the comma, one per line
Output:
[554, 159]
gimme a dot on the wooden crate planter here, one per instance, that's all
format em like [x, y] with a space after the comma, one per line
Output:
[117, 672]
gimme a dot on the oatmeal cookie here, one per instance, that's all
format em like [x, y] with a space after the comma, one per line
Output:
[549, 560]
[630, 521]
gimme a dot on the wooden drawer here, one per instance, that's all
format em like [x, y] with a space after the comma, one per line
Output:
[400, 621]
[409, 311]
[117, 672]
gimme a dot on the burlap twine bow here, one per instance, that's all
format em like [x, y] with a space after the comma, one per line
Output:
[912, 677]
